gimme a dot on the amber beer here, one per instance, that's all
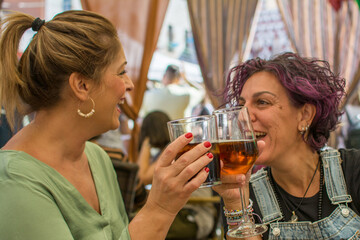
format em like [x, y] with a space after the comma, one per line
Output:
[237, 156]
[188, 147]
[214, 166]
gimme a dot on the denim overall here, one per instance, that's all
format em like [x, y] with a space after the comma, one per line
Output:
[343, 223]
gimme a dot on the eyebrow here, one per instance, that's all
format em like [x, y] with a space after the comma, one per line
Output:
[263, 92]
[123, 65]
[257, 95]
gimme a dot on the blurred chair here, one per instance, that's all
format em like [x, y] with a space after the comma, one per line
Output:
[217, 231]
[116, 153]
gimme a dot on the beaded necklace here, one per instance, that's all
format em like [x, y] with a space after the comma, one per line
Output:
[294, 217]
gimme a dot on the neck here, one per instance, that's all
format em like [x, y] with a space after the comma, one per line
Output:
[53, 138]
[296, 172]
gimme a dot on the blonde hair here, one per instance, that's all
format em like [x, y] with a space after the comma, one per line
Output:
[73, 41]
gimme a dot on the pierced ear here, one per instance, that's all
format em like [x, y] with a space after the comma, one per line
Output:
[80, 86]
[306, 116]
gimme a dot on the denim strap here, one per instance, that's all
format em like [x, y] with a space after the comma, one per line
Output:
[265, 196]
[334, 176]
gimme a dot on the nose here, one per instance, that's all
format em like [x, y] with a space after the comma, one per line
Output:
[251, 112]
[129, 84]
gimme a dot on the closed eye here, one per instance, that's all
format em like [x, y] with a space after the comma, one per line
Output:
[122, 73]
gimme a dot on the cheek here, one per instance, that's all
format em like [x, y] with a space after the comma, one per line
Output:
[268, 121]
[116, 86]
[120, 86]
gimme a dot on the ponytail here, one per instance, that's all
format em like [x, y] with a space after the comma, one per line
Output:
[13, 27]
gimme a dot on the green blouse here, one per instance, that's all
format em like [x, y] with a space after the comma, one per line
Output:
[38, 203]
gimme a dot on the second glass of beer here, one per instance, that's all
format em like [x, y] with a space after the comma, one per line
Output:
[203, 129]
[238, 151]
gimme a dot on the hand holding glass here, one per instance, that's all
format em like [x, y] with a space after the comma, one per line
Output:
[203, 129]
[238, 151]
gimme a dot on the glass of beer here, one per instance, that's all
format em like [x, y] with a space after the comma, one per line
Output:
[203, 129]
[238, 151]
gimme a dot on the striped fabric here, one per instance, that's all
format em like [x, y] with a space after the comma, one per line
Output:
[317, 30]
[220, 30]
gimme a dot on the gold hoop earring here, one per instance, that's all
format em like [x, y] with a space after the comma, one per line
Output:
[89, 114]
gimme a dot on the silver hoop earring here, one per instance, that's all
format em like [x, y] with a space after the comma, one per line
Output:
[89, 114]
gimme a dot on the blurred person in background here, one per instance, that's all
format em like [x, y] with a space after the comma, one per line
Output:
[176, 97]
[154, 137]
[194, 221]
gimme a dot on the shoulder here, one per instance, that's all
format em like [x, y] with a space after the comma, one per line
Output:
[351, 154]
[350, 159]
[178, 89]
[94, 149]
[97, 155]
[100, 161]
[23, 177]
[155, 91]
[18, 165]
[260, 174]
[351, 168]
[156, 95]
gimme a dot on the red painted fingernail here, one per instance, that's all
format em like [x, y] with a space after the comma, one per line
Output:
[188, 135]
[207, 144]
[207, 169]
[210, 155]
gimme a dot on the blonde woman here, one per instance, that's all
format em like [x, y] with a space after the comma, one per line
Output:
[53, 183]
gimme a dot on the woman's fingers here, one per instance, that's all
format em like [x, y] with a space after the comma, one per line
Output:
[189, 172]
[197, 180]
[193, 155]
[235, 179]
[226, 186]
[173, 148]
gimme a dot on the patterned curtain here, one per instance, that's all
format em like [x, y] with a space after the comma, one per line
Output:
[138, 23]
[328, 30]
[220, 30]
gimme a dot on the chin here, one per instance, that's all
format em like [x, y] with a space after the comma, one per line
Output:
[261, 160]
[115, 125]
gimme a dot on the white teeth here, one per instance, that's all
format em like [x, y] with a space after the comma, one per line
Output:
[121, 102]
[260, 134]
[248, 135]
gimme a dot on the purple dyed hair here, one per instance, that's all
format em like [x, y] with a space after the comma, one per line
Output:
[305, 80]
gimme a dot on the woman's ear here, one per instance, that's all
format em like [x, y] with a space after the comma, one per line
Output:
[309, 111]
[306, 116]
[80, 86]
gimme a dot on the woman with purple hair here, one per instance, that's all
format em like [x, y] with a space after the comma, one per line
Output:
[307, 190]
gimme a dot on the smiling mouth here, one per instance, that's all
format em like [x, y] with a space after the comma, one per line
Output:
[259, 135]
